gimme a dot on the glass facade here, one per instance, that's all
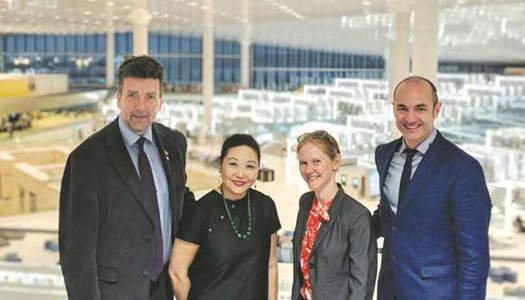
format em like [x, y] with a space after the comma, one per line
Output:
[285, 68]
[82, 56]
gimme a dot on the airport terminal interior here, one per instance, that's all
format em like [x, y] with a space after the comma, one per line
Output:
[271, 68]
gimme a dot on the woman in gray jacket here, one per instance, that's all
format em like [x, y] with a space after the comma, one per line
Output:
[335, 250]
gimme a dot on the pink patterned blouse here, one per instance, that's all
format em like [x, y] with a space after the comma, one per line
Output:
[318, 214]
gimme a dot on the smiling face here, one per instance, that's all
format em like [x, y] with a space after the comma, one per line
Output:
[414, 111]
[238, 171]
[139, 101]
[317, 168]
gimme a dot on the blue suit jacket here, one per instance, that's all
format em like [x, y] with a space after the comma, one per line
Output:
[436, 246]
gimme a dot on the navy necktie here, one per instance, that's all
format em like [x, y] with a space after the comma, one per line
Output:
[150, 195]
[407, 172]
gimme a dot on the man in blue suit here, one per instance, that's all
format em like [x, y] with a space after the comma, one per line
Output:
[434, 210]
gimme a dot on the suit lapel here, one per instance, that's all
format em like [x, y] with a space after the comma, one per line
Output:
[333, 212]
[166, 160]
[390, 150]
[121, 161]
[429, 165]
[301, 225]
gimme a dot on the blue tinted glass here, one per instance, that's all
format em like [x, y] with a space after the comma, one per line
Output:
[91, 43]
[30, 43]
[164, 43]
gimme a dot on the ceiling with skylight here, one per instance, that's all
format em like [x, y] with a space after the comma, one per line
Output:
[469, 30]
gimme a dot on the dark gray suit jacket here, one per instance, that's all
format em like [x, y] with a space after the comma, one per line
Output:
[343, 262]
[105, 225]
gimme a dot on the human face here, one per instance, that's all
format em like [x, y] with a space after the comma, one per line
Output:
[317, 168]
[414, 112]
[139, 101]
[238, 171]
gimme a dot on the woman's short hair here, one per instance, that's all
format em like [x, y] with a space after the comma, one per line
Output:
[240, 139]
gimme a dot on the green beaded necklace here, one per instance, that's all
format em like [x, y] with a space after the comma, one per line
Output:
[239, 235]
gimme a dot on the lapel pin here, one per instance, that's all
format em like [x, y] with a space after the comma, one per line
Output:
[167, 155]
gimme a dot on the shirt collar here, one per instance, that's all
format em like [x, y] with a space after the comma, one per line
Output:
[130, 137]
[423, 147]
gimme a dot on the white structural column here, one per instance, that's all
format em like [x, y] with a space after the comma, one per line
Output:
[246, 56]
[246, 41]
[140, 18]
[425, 39]
[110, 52]
[398, 64]
[207, 68]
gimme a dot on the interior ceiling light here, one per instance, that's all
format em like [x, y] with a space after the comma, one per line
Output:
[193, 3]
[110, 3]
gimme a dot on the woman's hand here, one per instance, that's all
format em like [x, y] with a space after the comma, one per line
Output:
[182, 256]
[273, 269]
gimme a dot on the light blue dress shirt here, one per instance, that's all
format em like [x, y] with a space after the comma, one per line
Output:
[159, 176]
[393, 178]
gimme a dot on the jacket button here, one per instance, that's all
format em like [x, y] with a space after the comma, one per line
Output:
[311, 265]
[148, 239]
[394, 228]
[146, 273]
[394, 257]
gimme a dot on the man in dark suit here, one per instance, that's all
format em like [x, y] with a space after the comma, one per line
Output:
[434, 210]
[122, 195]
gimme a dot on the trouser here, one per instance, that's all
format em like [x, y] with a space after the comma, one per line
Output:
[161, 288]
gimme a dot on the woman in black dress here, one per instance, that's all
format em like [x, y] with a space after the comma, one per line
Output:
[225, 248]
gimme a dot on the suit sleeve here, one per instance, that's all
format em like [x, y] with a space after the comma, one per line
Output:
[189, 197]
[363, 258]
[471, 216]
[376, 220]
[78, 229]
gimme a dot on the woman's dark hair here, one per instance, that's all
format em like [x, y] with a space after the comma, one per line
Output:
[240, 139]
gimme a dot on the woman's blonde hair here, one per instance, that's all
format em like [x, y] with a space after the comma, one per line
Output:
[322, 139]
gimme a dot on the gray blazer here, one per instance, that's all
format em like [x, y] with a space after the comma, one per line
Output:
[105, 225]
[343, 262]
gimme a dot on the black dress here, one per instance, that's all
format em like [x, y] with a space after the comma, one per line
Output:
[226, 267]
